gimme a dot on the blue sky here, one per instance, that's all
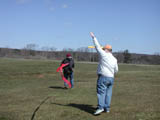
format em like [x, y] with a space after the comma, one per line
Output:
[125, 24]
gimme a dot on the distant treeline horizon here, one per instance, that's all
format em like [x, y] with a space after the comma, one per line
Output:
[81, 54]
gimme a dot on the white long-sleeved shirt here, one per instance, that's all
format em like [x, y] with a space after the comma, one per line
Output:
[107, 62]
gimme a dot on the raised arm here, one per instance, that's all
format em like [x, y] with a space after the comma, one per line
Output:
[97, 45]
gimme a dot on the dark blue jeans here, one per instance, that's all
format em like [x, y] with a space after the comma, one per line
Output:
[70, 76]
[104, 91]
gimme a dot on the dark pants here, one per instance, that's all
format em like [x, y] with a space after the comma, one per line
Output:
[70, 76]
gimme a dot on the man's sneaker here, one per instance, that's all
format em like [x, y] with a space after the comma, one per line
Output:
[107, 111]
[98, 111]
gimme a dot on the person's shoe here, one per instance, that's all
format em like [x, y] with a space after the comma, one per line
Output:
[107, 111]
[98, 111]
[65, 87]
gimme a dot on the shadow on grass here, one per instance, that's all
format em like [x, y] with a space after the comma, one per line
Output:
[56, 87]
[87, 108]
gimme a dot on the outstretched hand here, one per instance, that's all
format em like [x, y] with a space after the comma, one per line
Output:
[92, 34]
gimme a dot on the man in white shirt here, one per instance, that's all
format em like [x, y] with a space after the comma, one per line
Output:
[106, 70]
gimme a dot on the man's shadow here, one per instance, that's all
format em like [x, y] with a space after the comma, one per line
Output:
[56, 87]
[87, 108]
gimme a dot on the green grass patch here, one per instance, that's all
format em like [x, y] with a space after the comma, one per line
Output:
[32, 90]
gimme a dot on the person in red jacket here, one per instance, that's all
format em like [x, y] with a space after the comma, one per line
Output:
[68, 70]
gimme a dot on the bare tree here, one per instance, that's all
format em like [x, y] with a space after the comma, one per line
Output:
[83, 54]
[31, 46]
[119, 55]
[29, 49]
[127, 56]
[68, 49]
[53, 48]
[45, 48]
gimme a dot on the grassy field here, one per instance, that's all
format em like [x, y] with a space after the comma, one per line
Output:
[32, 90]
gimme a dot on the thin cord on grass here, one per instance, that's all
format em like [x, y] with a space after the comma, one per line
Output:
[37, 108]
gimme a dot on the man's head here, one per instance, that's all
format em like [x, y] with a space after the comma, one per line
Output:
[107, 48]
[68, 55]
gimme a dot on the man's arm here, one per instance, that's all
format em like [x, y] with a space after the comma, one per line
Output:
[116, 69]
[96, 43]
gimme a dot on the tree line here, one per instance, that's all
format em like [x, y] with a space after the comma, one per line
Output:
[81, 54]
